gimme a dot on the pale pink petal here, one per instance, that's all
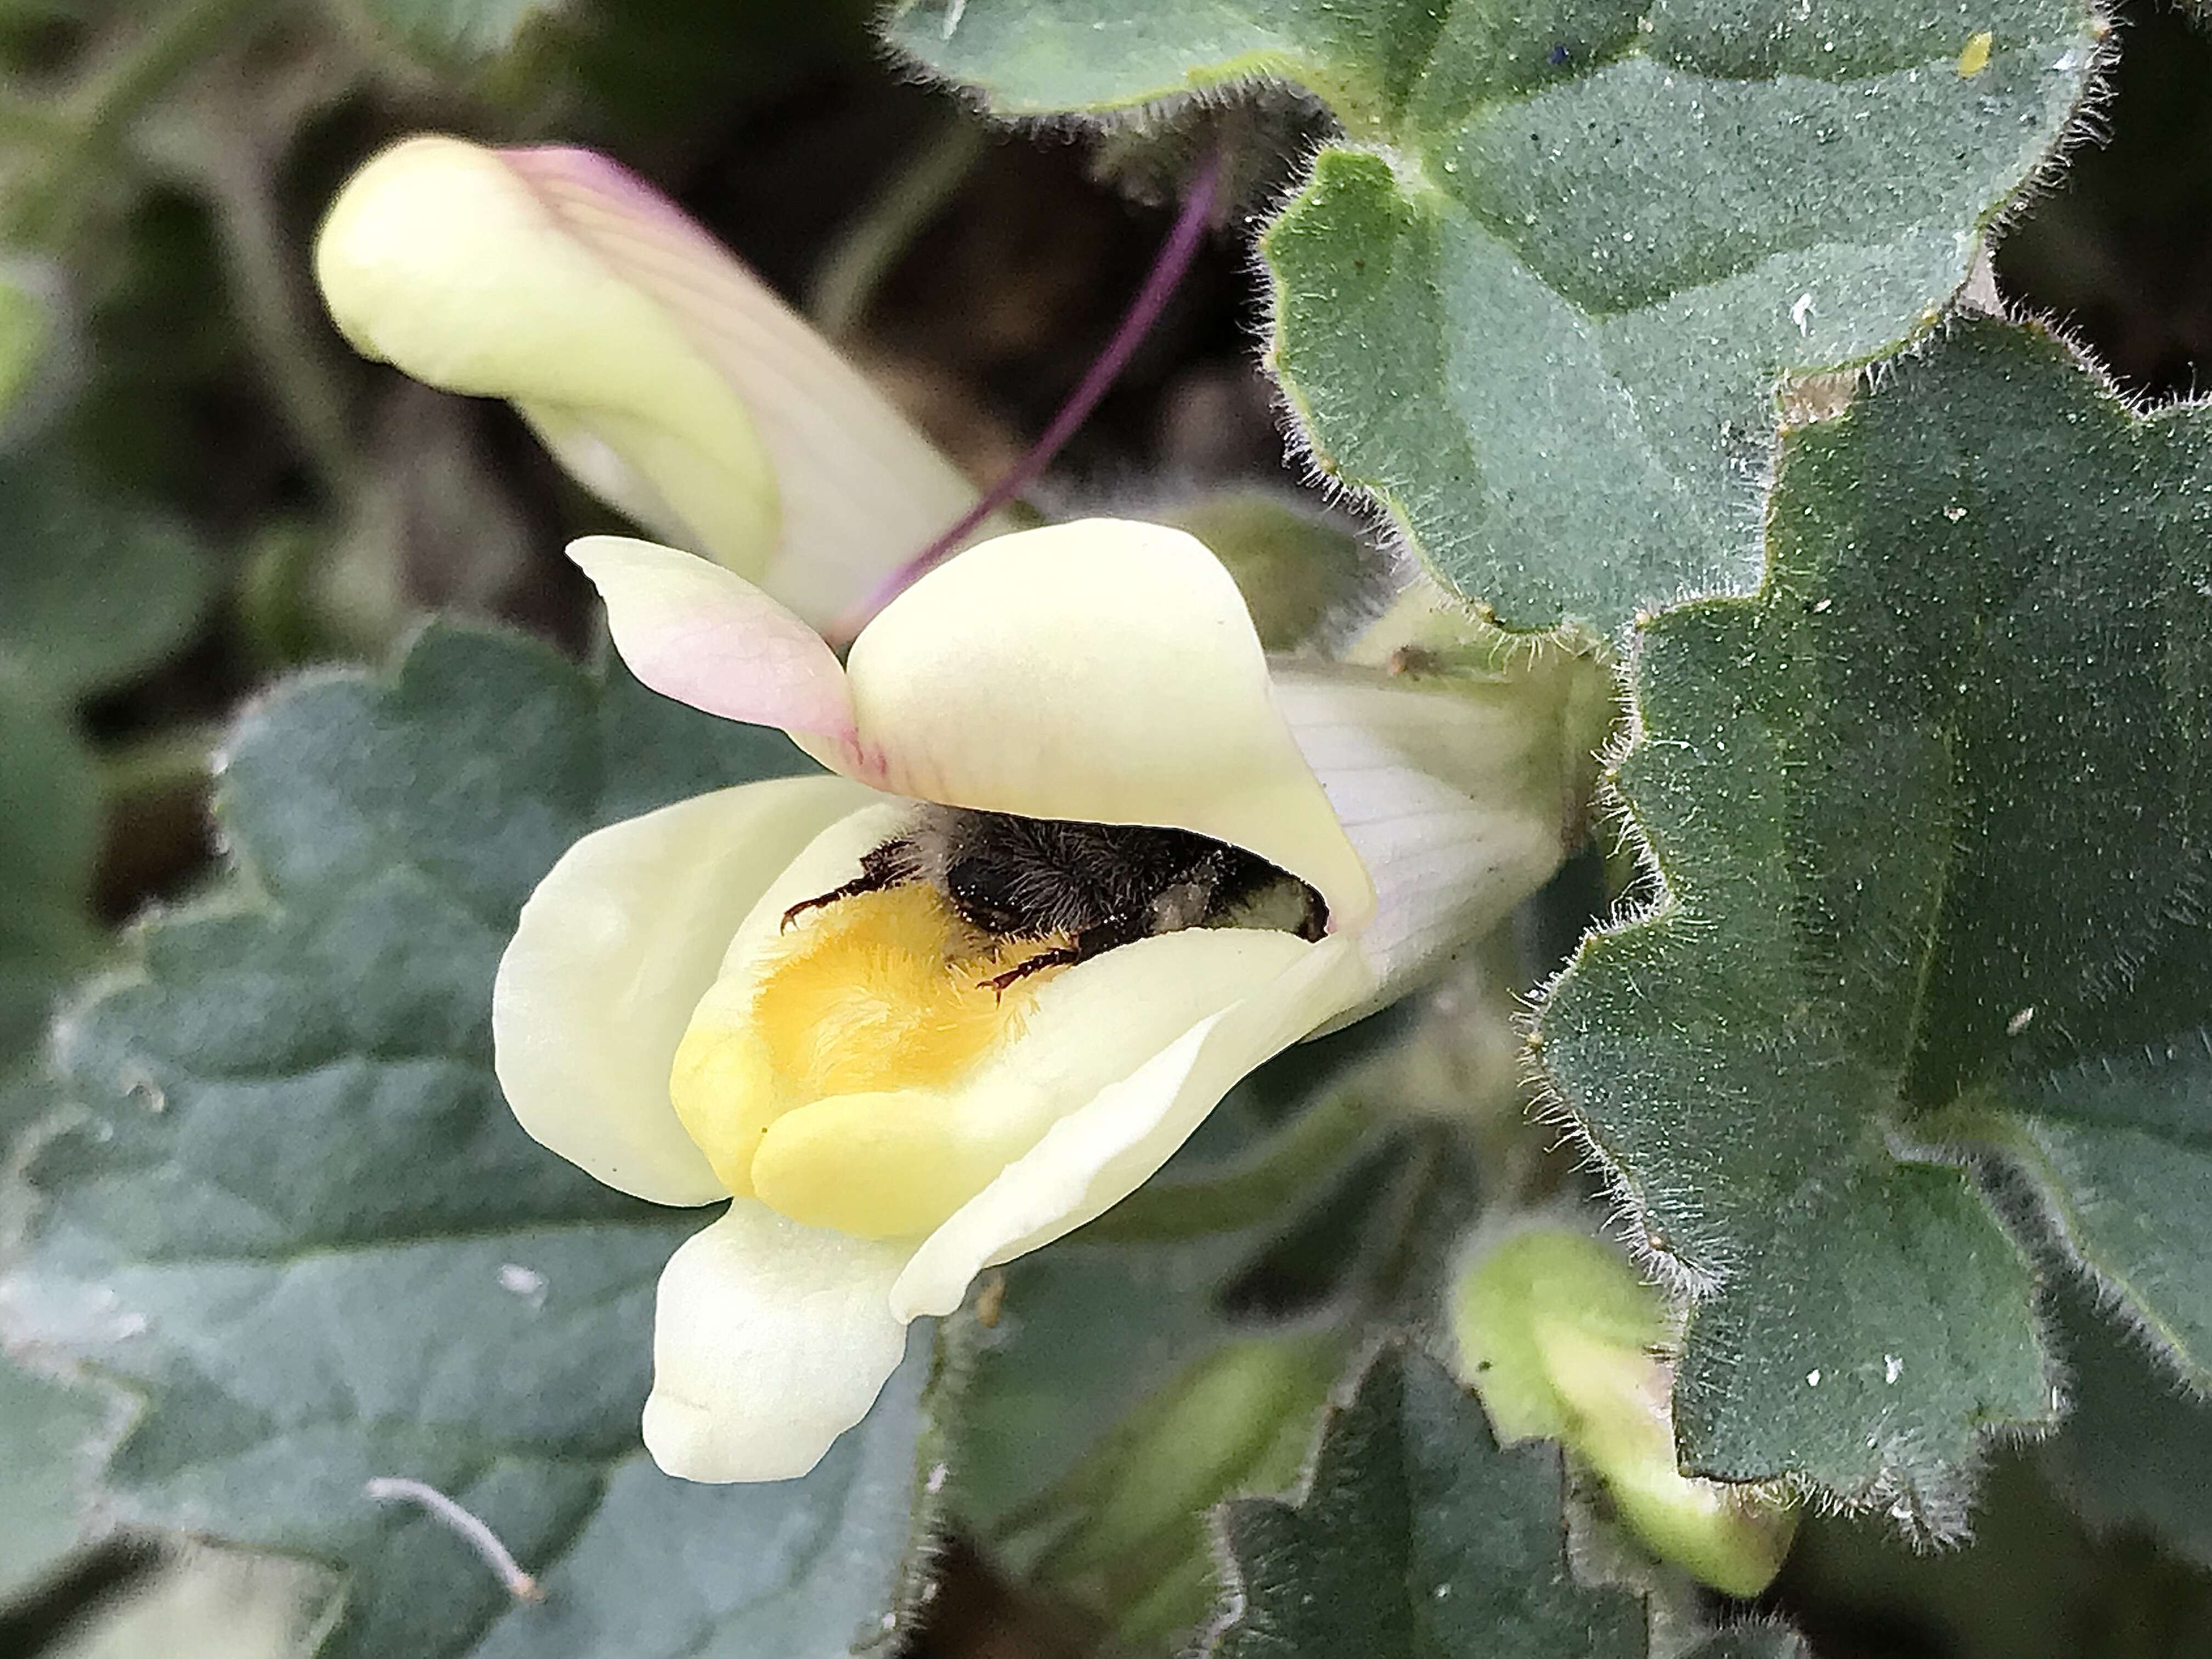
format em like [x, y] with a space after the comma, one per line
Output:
[665, 375]
[695, 632]
[860, 490]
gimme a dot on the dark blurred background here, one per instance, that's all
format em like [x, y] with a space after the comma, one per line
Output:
[202, 487]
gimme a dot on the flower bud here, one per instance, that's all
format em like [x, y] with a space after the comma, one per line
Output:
[23, 337]
[666, 377]
[1562, 1341]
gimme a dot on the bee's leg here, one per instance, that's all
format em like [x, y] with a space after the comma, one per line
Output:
[1089, 942]
[888, 866]
[1314, 921]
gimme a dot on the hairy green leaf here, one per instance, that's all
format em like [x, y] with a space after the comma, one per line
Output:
[1416, 1536]
[2118, 1144]
[1752, 1642]
[49, 840]
[1931, 812]
[91, 593]
[47, 1432]
[203, 1604]
[303, 1229]
[1538, 298]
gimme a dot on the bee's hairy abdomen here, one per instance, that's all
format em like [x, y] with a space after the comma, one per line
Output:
[1032, 878]
[1096, 886]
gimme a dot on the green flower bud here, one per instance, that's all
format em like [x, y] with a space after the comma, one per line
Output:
[1563, 1341]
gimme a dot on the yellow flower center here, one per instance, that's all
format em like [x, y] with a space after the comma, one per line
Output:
[883, 991]
[880, 994]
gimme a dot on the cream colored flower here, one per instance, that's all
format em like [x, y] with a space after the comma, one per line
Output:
[886, 1123]
[663, 373]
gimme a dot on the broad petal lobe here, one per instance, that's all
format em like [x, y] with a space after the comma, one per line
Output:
[770, 1339]
[695, 632]
[1103, 670]
[886, 1166]
[612, 952]
[1095, 1156]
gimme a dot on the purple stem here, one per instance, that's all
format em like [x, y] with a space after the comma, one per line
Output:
[1168, 268]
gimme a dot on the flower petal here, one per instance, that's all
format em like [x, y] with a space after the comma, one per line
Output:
[770, 1340]
[715, 1119]
[693, 631]
[1457, 808]
[885, 1166]
[612, 951]
[1095, 1156]
[662, 372]
[1103, 670]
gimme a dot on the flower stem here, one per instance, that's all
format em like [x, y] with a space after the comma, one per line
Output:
[1167, 273]
[284, 335]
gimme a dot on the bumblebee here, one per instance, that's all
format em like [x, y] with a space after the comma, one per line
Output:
[1097, 885]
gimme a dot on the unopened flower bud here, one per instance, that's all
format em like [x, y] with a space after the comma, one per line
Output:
[668, 379]
[1562, 1341]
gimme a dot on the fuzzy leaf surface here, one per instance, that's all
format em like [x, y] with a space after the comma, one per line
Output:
[49, 841]
[1538, 299]
[1931, 810]
[47, 1430]
[1752, 1642]
[1416, 1536]
[304, 1230]
[2119, 1145]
